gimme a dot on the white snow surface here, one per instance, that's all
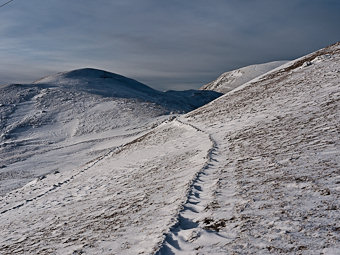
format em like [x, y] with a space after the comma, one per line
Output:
[232, 79]
[119, 203]
[255, 171]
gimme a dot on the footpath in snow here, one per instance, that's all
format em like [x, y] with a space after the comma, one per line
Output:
[195, 228]
[280, 145]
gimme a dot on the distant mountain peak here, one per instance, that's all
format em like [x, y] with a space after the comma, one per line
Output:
[99, 82]
[84, 74]
[90, 73]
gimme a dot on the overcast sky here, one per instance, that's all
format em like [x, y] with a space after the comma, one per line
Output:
[174, 44]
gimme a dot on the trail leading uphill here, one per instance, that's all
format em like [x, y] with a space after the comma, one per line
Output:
[279, 184]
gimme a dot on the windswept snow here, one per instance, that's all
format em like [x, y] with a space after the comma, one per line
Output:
[56, 130]
[233, 79]
[255, 171]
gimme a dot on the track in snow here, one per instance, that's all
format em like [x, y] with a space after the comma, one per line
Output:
[193, 223]
[60, 184]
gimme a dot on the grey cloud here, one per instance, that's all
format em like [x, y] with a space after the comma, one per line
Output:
[166, 44]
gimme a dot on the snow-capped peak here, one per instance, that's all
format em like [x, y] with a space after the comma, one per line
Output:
[99, 82]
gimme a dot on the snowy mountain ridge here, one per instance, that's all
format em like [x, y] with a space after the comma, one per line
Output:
[108, 84]
[230, 80]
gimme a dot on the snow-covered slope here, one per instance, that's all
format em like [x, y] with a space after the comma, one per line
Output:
[232, 79]
[64, 120]
[256, 171]
[118, 203]
[50, 129]
[273, 182]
